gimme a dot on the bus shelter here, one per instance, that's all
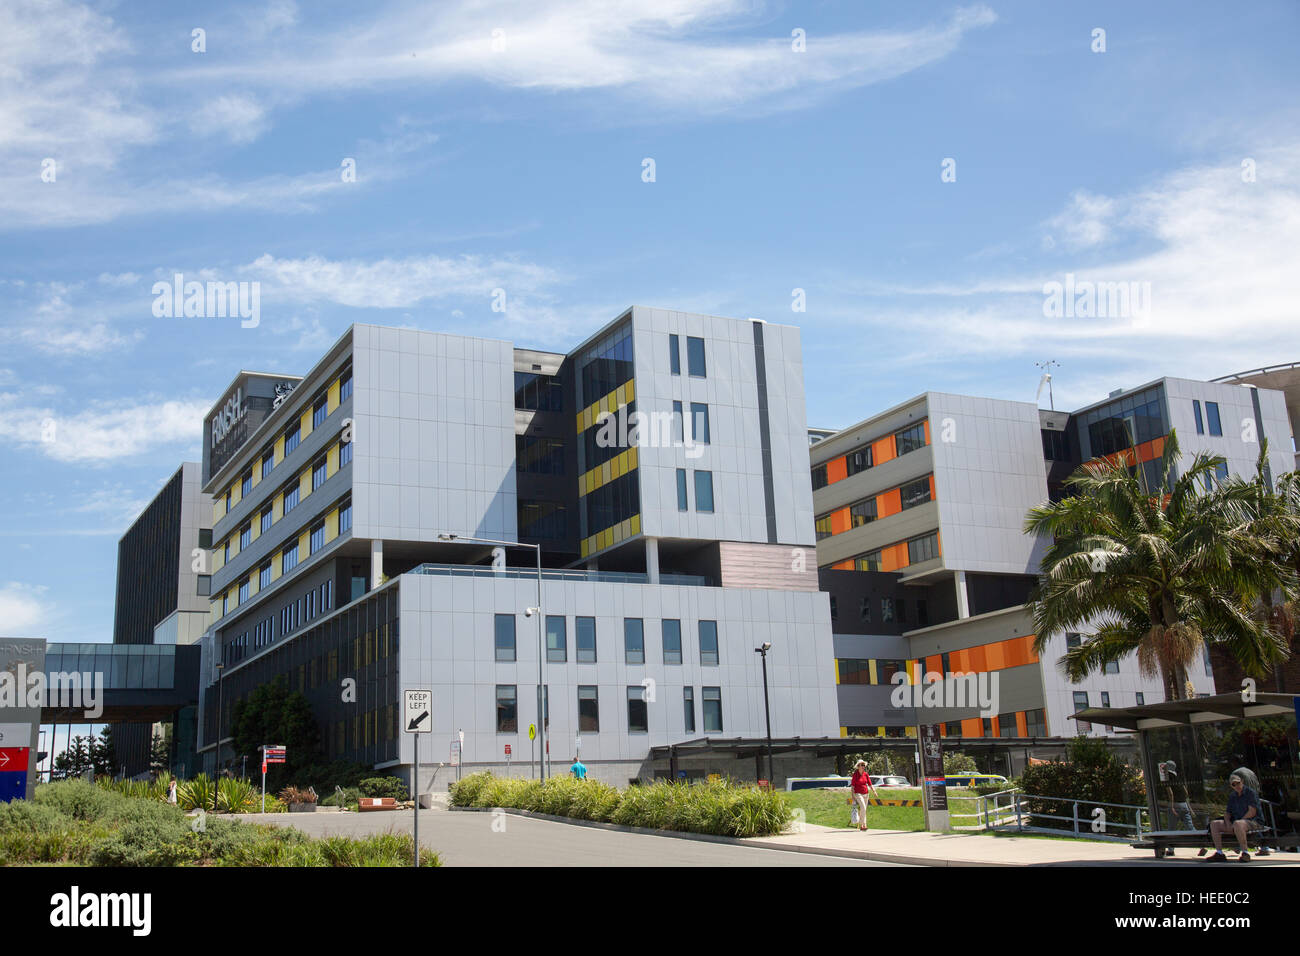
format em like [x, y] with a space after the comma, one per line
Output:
[1189, 748]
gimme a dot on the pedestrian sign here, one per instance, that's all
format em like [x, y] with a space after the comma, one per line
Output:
[417, 714]
[532, 731]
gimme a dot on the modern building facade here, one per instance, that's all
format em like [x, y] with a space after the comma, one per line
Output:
[660, 468]
[163, 594]
[919, 519]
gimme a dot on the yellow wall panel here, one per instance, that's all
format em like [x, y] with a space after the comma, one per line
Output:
[332, 526]
[333, 396]
[304, 424]
[304, 484]
[332, 461]
[275, 568]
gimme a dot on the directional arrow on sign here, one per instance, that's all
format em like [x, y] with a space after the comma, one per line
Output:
[415, 721]
[4, 758]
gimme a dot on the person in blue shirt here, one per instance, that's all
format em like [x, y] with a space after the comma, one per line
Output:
[1242, 816]
[578, 770]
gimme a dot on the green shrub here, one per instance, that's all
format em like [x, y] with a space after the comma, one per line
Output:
[76, 798]
[465, 792]
[1091, 774]
[384, 787]
[148, 844]
[196, 793]
[343, 798]
[238, 796]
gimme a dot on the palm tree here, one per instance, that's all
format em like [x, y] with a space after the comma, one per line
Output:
[1161, 570]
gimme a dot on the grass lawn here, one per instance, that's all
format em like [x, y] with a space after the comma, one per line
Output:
[828, 808]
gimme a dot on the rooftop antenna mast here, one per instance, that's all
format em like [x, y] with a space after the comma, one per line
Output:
[1046, 380]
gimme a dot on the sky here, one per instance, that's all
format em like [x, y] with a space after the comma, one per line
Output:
[902, 181]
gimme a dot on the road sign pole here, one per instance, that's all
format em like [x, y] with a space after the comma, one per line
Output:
[416, 788]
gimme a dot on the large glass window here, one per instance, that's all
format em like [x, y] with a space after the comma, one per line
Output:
[910, 439]
[289, 559]
[1036, 722]
[867, 562]
[345, 386]
[672, 633]
[709, 643]
[246, 483]
[679, 428]
[244, 587]
[695, 356]
[319, 411]
[268, 462]
[862, 512]
[688, 709]
[1007, 725]
[585, 629]
[1212, 418]
[345, 453]
[700, 423]
[682, 503]
[638, 714]
[318, 473]
[557, 650]
[915, 493]
[345, 517]
[1196, 413]
[291, 499]
[1081, 703]
[588, 709]
[634, 640]
[856, 461]
[924, 548]
[504, 637]
[704, 491]
[541, 393]
[819, 477]
[712, 710]
[291, 439]
[264, 520]
[317, 536]
[539, 456]
[854, 671]
[823, 527]
[507, 709]
[245, 536]
[264, 576]
[674, 355]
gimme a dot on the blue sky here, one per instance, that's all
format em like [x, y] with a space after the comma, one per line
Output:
[519, 167]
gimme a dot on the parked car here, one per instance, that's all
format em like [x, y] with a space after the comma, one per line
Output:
[890, 780]
[975, 779]
[816, 783]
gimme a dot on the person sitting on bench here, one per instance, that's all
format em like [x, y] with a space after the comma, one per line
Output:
[1242, 816]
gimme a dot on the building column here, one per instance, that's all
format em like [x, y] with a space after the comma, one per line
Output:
[652, 559]
[963, 603]
[376, 563]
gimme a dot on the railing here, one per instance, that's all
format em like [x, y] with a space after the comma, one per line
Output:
[1257, 371]
[1005, 810]
[559, 574]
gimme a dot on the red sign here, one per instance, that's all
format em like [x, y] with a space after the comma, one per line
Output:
[264, 768]
[14, 759]
[507, 750]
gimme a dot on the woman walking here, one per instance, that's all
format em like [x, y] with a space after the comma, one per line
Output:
[860, 785]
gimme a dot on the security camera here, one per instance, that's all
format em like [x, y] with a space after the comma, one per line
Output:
[530, 611]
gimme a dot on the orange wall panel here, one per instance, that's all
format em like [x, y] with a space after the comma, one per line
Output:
[1022, 724]
[889, 503]
[882, 450]
[840, 521]
[926, 423]
[837, 469]
[972, 727]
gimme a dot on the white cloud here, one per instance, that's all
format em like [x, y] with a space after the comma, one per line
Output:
[1085, 222]
[235, 118]
[104, 432]
[23, 610]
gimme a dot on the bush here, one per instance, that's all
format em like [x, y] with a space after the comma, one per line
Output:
[75, 798]
[1090, 774]
[297, 795]
[464, 792]
[238, 796]
[343, 798]
[195, 794]
[384, 787]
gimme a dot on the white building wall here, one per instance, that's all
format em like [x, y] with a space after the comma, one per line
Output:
[433, 425]
[447, 645]
[1240, 441]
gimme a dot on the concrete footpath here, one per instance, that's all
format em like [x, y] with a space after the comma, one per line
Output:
[981, 849]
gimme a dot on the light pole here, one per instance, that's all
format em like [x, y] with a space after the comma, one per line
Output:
[767, 711]
[216, 768]
[541, 641]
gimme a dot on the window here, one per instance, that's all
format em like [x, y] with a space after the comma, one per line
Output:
[856, 461]
[688, 709]
[345, 453]
[504, 637]
[245, 536]
[910, 439]
[1105, 699]
[1205, 655]
[704, 491]
[915, 493]
[1141, 699]
[1036, 722]
[672, 631]
[319, 411]
[227, 501]
[709, 643]
[264, 576]
[1073, 640]
[854, 670]
[712, 710]
[1111, 667]
[674, 356]
[886, 609]
[244, 588]
[1055, 447]
[862, 512]
[1221, 471]
[822, 525]
[1212, 418]
[588, 709]
[924, 548]
[345, 517]
[557, 651]
[507, 709]
[318, 474]
[835, 611]
[864, 611]
[634, 640]
[952, 728]
[264, 521]
[885, 671]
[291, 439]
[585, 629]
[700, 423]
[345, 386]
[317, 536]
[819, 477]
[289, 559]
[1081, 703]
[1007, 725]
[205, 538]
[204, 587]
[679, 435]
[226, 556]
[246, 483]
[291, 499]
[1196, 413]
[638, 717]
[695, 356]
[268, 462]
[867, 562]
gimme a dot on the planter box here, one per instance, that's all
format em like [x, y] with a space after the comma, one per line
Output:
[302, 808]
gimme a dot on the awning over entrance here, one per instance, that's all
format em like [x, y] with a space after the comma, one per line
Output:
[1198, 710]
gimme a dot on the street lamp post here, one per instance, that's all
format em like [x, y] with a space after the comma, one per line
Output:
[541, 640]
[767, 712]
[216, 768]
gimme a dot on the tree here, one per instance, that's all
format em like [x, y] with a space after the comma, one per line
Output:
[160, 749]
[103, 755]
[272, 714]
[75, 759]
[1161, 570]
